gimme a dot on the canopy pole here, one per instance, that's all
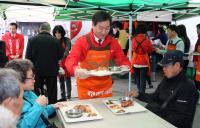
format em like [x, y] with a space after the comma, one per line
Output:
[130, 47]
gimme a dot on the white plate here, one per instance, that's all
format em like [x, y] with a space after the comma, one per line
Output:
[82, 118]
[131, 109]
[100, 73]
[106, 72]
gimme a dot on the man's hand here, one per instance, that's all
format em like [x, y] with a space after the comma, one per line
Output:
[81, 73]
[61, 71]
[157, 50]
[12, 57]
[133, 93]
[15, 57]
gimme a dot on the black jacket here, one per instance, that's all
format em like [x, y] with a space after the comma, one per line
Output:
[181, 108]
[44, 51]
[3, 58]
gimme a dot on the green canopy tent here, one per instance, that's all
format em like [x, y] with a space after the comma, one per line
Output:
[127, 10]
[83, 9]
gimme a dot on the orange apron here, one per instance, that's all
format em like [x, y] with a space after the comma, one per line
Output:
[197, 77]
[171, 46]
[142, 57]
[95, 87]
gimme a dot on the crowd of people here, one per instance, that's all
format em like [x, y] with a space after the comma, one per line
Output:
[28, 86]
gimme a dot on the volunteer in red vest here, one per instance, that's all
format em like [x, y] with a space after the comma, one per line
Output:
[173, 43]
[196, 60]
[14, 42]
[94, 50]
[142, 47]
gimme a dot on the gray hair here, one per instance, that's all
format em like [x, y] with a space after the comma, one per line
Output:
[7, 118]
[45, 27]
[9, 84]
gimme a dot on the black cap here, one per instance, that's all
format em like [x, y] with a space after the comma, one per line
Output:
[172, 57]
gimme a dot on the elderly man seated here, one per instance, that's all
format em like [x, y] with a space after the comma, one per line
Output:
[11, 94]
[176, 96]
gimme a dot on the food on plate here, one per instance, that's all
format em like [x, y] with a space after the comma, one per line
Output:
[83, 108]
[127, 103]
[121, 111]
[91, 114]
[101, 69]
[115, 106]
[109, 102]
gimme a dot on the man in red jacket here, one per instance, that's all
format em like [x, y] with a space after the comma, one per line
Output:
[14, 42]
[95, 50]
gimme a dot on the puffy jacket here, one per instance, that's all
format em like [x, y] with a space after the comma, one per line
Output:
[181, 108]
[31, 112]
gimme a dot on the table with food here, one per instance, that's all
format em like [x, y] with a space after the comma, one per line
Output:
[116, 112]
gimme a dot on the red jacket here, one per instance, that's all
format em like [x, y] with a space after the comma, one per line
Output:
[195, 49]
[14, 45]
[146, 45]
[81, 46]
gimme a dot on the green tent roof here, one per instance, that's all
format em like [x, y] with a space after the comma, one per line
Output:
[121, 9]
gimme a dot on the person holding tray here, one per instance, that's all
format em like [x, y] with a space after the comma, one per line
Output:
[94, 51]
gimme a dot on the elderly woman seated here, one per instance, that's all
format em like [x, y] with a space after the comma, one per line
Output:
[35, 109]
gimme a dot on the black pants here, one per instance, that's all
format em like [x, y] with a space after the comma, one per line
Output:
[51, 84]
[141, 76]
[149, 80]
[62, 80]
[197, 83]
[186, 62]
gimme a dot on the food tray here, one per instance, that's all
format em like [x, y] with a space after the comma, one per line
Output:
[106, 72]
[114, 106]
[84, 117]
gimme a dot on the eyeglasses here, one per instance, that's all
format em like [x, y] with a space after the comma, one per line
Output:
[31, 78]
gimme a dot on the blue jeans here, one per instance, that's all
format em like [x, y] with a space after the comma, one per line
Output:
[141, 77]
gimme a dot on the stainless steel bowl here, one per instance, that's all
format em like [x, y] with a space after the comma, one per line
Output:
[74, 113]
[126, 101]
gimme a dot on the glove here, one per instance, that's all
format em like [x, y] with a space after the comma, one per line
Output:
[61, 71]
[81, 73]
